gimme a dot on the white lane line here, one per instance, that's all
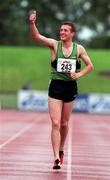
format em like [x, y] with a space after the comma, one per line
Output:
[26, 128]
[69, 161]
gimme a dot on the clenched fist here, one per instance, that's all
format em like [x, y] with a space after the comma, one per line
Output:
[75, 75]
[32, 17]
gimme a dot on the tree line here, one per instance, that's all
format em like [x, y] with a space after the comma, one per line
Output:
[89, 14]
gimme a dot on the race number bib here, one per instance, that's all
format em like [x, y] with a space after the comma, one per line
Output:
[66, 65]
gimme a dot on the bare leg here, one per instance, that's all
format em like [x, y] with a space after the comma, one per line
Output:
[66, 111]
[55, 110]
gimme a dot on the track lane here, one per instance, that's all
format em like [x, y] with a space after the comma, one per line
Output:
[91, 147]
[29, 155]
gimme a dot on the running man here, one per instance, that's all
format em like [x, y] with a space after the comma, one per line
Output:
[65, 63]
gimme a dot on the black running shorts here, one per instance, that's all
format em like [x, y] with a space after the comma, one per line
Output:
[63, 90]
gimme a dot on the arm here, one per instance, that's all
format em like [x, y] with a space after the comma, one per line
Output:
[37, 36]
[85, 58]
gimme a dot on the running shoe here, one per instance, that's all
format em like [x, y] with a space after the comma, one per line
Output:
[56, 164]
[61, 155]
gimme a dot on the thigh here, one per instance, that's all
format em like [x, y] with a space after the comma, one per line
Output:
[55, 109]
[66, 111]
[56, 89]
[70, 91]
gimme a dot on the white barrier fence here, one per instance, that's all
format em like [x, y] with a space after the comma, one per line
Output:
[38, 101]
[33, 100]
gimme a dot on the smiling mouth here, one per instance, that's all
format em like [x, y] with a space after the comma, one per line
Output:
[62, 36]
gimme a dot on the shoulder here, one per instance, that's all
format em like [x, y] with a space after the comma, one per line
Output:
[54, 46]
[80, 47]
[53, 43]
[81, 50]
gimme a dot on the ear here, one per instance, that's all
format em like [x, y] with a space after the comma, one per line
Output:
[73, 34]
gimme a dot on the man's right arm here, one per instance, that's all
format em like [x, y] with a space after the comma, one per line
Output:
[37, 36]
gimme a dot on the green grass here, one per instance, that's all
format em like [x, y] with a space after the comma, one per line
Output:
[8, 101]
[93, 82]
[31, 65]
[19, 66]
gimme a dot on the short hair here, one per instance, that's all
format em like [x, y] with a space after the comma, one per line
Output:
[71, 24]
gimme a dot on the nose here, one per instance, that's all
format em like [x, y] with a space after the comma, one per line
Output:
[62, 32]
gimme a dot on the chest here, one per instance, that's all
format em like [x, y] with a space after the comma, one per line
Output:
[67, 51]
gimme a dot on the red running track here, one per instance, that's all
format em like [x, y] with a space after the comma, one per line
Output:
[26, 152]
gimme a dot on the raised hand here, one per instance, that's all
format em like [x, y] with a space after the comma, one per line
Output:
[32, 17]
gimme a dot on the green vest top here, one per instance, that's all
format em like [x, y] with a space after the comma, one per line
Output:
[60, 75]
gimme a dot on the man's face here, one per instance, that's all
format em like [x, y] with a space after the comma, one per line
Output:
[65, 33]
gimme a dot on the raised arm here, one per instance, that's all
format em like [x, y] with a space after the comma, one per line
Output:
[86, 59]
[36, 35]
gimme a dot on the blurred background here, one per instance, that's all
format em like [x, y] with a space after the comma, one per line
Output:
[24, 64]
[92, 19]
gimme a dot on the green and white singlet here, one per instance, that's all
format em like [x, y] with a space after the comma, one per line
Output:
[62, 66]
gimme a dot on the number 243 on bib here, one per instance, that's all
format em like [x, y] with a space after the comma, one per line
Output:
[66, 65]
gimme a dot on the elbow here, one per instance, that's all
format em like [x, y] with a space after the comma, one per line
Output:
[92, 67]
[36, 37]
[33, 36]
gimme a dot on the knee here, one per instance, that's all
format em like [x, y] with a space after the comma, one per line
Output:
[64, 125]
[56, 125]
